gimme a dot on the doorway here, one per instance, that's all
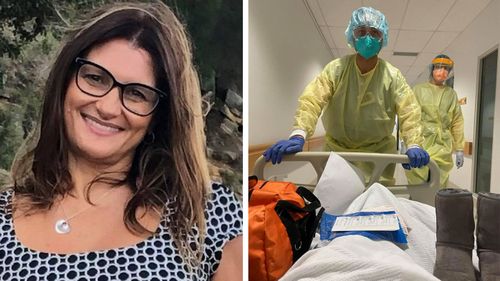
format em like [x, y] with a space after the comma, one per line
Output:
[486, 112]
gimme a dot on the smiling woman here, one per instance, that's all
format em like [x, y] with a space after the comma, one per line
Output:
[118, 177]
[96, 123]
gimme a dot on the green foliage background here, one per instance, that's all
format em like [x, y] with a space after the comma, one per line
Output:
[31, 32]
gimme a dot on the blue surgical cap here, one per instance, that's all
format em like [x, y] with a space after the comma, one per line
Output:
[367, 16]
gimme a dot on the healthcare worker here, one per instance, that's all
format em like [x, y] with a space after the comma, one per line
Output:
[359, 96]
[442, 122]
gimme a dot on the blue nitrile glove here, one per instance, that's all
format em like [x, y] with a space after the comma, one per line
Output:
[293, 145]
[418, 158]
[459, 158]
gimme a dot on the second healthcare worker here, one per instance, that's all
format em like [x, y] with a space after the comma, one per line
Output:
[359, 96]
[443, 122]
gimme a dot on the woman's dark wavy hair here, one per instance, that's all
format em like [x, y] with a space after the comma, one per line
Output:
[169, 171]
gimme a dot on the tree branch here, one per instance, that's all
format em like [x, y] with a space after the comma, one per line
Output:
[60, 16]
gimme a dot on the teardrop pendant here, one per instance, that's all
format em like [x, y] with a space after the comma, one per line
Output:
[62, 226]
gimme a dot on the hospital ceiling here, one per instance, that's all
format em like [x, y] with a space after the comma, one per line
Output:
[426, 27]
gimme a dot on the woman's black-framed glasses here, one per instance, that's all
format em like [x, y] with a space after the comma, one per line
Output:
[96, 81]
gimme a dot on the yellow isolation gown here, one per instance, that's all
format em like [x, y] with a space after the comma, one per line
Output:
[359, 109]
[443, 129]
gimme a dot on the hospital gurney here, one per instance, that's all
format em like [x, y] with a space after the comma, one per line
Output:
[423, 192]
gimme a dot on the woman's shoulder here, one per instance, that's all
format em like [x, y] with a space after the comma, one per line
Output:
[224, 209]
[5, 200]
[224, 222]
[221, 195]
[6, 195]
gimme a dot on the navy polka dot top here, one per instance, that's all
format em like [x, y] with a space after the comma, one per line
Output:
[156, 258]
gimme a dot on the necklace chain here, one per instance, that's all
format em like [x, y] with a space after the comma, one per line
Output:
[62, 225]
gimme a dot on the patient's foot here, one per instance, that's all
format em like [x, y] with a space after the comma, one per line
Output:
[488, 233]
[454, 235]
[454, 264]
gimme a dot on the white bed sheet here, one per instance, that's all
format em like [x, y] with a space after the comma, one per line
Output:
[359, 258]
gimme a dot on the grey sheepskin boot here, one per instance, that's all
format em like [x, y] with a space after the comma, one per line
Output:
[454, 235]
[488, 235]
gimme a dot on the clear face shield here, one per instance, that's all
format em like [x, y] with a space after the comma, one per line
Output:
[441, 70]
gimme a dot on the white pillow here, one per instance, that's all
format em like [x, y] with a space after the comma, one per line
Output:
[339, 185]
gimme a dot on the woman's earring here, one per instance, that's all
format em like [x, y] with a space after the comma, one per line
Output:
[150, 138]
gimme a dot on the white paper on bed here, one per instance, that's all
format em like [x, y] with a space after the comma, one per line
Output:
[359, 258]
[338, 185]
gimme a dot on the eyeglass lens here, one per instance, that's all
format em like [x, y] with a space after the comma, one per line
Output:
[98, 82]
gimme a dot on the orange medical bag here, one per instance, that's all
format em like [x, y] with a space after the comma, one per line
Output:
[282, 224]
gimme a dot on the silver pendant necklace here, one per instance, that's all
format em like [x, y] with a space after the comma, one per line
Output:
[62, 226]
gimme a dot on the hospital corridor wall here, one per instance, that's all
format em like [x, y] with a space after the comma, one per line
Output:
[479, 39]
[286, 51]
